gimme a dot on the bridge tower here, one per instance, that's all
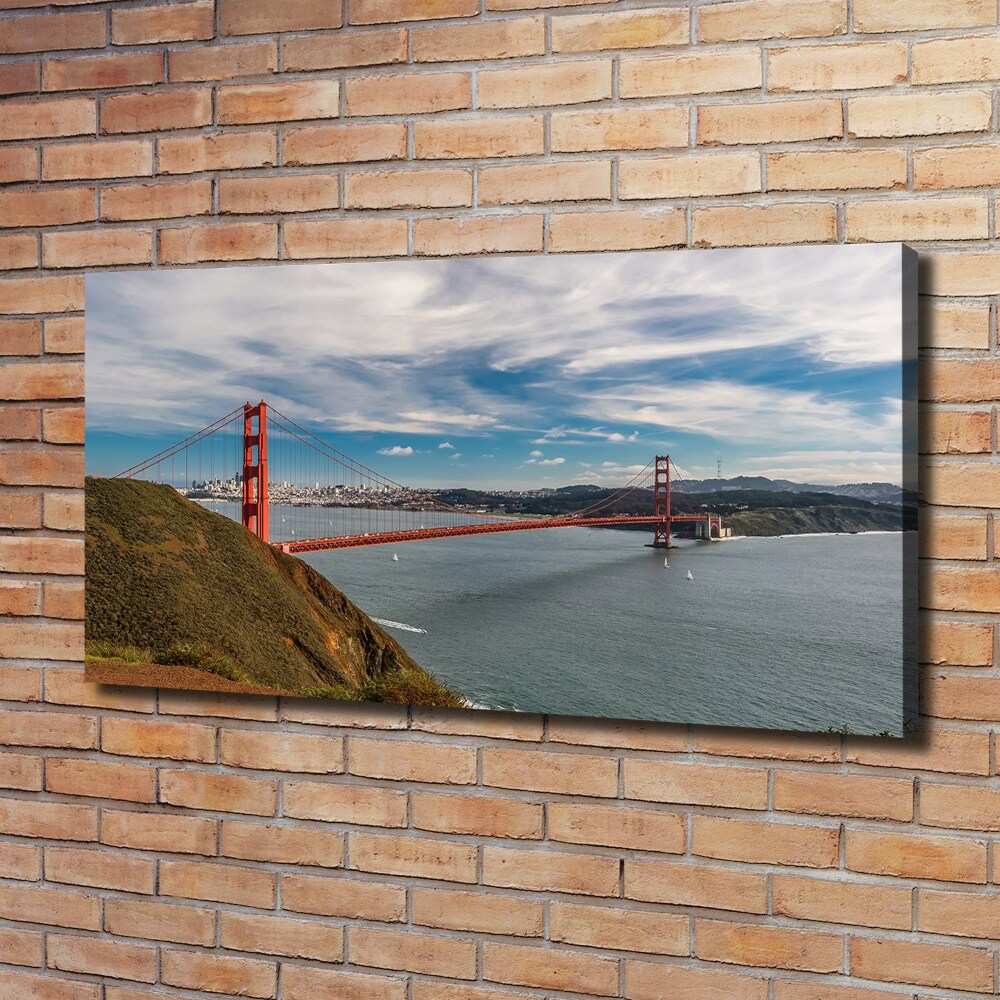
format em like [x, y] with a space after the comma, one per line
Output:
[661, 502]
[255, 505]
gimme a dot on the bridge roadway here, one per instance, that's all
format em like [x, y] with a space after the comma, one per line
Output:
[421, 534]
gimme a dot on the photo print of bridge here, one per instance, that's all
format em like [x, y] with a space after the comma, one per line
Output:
[342, 481]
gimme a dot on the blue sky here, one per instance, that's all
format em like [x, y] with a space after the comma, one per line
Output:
[520, 371]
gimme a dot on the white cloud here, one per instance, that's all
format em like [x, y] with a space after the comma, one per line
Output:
[457, 454]
[446, 444]
[396, 449]
[536, 454]
[551, 461]
[381, 344]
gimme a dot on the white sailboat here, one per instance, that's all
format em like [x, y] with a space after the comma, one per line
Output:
[690, 575]
[666, 563]
[395, 558]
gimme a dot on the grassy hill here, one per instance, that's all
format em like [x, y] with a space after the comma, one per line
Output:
[171, 585]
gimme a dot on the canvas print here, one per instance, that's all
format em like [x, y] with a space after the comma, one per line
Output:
[663, 486]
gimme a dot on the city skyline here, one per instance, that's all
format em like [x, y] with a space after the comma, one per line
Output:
[517, 372]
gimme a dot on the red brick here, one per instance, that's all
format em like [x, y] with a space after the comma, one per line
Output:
[922, 963]
[550, 871]
[101, 779]
[37, 906]
[223, 241]
[254, 17]
[147, 831]
[41, 381]
[487, 40]
[909, 855]
[69, 161]
[412, 952]
[177, 22]
[217, 882]
[960, 807]
[766, 843]
[20, 336]
[157, 111]
[242, 977]
[100, 868]
[20, 684]
[22, 510]
[42, 207]
[345, 144]
[174, 740]
[964, 914]
[349, 898]
[69, 687]
[825, 794]
[477, 235]
[712, 72]
[18, 251]
[138, 69]
[45, 467]
[20, 947]
[545, 182]
[282, 751]
[544, 85]
[129, 202]
[408, 93]
[19, 78]
[915, 15]
[281, 936]
[626, 30]
[62, 426]
[341, 803]
[17, 423]
[647, 981]
[372, 48]
[382, 11]
[487, 817]
[478, 912]
[226, 706]
[356, 237]
[18, 163]
[468, 138]
[226, 151]
[30, 987]
[550, 968]
[564, 773]
[282, 844]
[21, 861]
[64, 600]
[412, 761]
[693, 784]
[838, 902]
[49, 32]
[159, 921]
[93, 248]
[48, 729]
[306, 983]
[686, 884]
[218, 792]
[753, 19]
[768, 947]
[620, 929]
[274, 102]
[619, 128]
[41, 295]
[419, 857]
[223, 62]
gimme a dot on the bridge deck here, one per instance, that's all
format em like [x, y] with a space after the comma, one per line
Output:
[420, 534]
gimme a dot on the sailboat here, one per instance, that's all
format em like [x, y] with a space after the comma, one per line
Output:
[666, 563]
[395, 558]
[690, 575]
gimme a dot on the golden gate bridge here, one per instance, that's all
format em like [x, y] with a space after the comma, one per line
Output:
[355, 505]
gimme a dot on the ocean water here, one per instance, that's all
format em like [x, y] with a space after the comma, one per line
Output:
[800, 632]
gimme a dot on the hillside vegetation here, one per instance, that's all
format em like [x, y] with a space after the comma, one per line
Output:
[172, 584]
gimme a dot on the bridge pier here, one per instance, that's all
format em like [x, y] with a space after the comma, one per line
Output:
[661, 502]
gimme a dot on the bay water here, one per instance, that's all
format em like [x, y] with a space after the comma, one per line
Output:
[800, 632]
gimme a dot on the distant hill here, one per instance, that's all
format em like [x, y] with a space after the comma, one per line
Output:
[878, 492]
[177, 594]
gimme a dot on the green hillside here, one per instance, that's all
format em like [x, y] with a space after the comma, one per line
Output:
[173, 584]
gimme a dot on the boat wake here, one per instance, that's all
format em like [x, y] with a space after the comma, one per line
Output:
[400, 625]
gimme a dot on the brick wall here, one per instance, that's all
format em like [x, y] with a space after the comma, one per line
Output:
[178, 845]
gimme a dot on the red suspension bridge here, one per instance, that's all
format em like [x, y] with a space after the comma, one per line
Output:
[255, 456]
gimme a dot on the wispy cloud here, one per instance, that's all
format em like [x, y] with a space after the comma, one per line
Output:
[396, 450]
